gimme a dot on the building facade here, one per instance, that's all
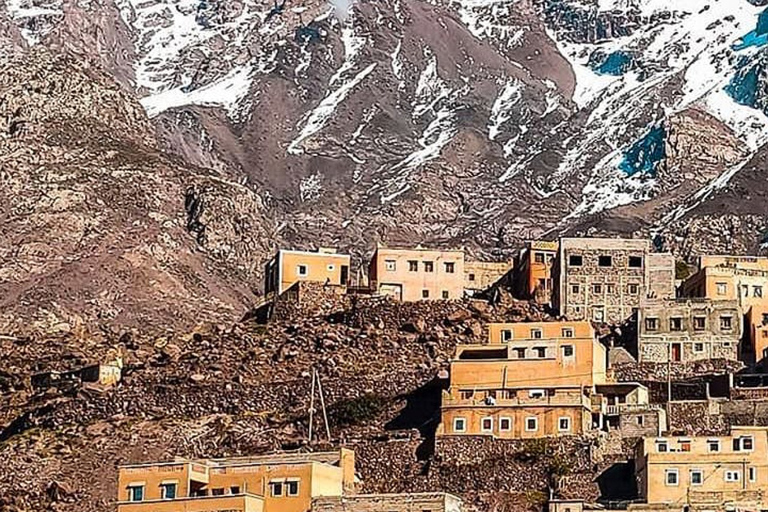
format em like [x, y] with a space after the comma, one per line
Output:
[606, 280]
[756, 325]
[415, 502]
[684, 330]
[324, 266]
[530, 380]
[273, 483]
[534, 272]
[481, 275]
[716, 472]
[417, 274]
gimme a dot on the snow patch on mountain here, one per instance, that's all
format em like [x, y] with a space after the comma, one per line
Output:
[509, 95]
[316, 119]
[228, 93]
[35, 18]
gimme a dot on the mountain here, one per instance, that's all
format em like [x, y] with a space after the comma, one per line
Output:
[455, 122]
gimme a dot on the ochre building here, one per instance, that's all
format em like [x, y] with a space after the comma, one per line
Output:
[287, 268]
[417, 274]
[530, 380]
[272, 483]
[705, 473]
[534, 272]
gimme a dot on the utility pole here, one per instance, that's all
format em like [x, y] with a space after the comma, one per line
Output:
[311, 405]
[316, 383]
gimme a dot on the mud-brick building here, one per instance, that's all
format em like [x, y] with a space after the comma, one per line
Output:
[415, 502]
[270, 483]
[287, 268]
[417, 274]
[684, 330]
[533, 274]
[606, 280]
[704, 473]
[481, 275]
[530, 380]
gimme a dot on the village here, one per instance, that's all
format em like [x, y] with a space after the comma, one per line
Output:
[626, 347]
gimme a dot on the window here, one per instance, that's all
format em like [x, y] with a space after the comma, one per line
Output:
[597, 288]
[713, 445]
[698, 347]
[634, 289]
[135, 493]
[459, 424]
[726, 323]
[536, 334]
[752, 474]
[743, 444]
[685, 445]
[567, 350]
[697, 477]
[765, 318]
[519, 352]
[505, 424]
[671, 477]
[604, 261]
[292, 488]
[450, 267]
[662, 446]
[466, 394]
[732, 476]
[575, 289]
[486, 425]
[699, 323]
[652, 324]
[536, 393]
[609, 288]
[429, 266]
[636, 261]
[575, 260]
[640, 421]
[564, 424]
[722, 288]
[276, 489]
[302, 270]
[757, 291]
[675, 324]
[168, 491]
[413, 266]
[745, 290]
[390, 265]
[538, 257]
[506, 335]
[567, 332]
[445, 294]
[541, 352]
[217, 491]
[531, 424]
[424, 294]
[331, 267]
[235, 489]
[472, 277]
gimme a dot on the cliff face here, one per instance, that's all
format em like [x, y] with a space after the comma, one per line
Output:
[95, 228]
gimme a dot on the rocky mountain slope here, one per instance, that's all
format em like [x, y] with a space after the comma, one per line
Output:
[456, 122]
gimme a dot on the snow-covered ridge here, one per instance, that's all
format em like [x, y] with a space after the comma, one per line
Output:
[35, 18]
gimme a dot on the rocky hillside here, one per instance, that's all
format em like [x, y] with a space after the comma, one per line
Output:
[452, 122]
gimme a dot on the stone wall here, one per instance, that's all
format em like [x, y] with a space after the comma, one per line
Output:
[642, 423]
[692, 341]
[420, 502]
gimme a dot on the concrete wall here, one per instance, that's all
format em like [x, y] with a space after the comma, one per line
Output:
[321, 267]
[547, 420]
[481, 275]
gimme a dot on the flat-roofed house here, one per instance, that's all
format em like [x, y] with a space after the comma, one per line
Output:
[288, 267]
[417, 274]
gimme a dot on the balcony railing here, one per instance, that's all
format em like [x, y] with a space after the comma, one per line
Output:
[518, 401]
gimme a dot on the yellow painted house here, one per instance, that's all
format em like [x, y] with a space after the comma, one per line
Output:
[711, 473]
[272, 483]
[530, 380]
[289, 267]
